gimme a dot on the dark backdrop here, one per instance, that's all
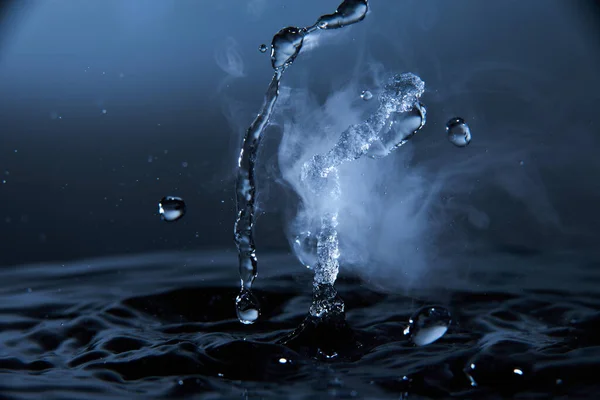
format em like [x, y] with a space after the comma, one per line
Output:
[77, 182]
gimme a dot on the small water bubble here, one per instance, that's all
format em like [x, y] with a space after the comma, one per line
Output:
[427, 325]
[171, 208]
[262, 48]
[521, 163]
[246, 306]
[305, 247]
[283, 360]
[366, 95]
[104, 111]
[184, 164]
[180, 382]
[459, 133]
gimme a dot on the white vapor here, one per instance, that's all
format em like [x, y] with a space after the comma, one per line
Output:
[420, 210]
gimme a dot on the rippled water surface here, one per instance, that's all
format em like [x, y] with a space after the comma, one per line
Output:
[164, 326]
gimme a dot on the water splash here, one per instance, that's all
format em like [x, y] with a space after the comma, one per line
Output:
[285, 47]
[399, 116]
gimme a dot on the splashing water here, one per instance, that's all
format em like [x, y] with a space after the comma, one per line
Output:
[171, 208]
[399, 116]
[285, 47]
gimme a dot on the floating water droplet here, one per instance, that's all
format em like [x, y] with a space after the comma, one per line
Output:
[104, 111]
[171, 208]
[246, 306]
[262, 48]
[305, 248]
[427, 325]
[285, 47]
[459, 133]
[349, 12]
[366, 95]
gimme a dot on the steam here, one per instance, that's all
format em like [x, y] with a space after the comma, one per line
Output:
[420, 211]
[228, 58]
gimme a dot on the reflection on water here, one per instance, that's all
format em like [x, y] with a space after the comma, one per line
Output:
[161, 325]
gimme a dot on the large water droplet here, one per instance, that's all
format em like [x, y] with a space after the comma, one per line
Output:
[349, 12]
[459, 133]
[262, 48]
[366, 95]
[400, 128]
[246, 306]
[305, 247]
[171, 208]
[286, 46]
[427, 325]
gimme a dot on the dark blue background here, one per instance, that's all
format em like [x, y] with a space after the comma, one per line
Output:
[79, 183]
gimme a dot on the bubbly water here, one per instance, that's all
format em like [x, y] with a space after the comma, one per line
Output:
[285, 47]
[398, 117]
[171, 208]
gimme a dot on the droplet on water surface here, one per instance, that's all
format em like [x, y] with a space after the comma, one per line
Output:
[247, 308]
[459, 133]
[427, 325]
[262, 48]
[366, 95]
[171, 208]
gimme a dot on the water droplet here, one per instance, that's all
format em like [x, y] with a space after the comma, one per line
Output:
[366, 95]
[349, 12]
[180, 382]
[104, 111]
[262, 48]
[427, 325]
[171, 208]
[459, 133]
[285, 47]
[305, 247]
[184, 164]
[247, 308]
[521, 163]
[400, 128]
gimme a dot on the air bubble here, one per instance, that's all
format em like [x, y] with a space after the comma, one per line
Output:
[366, 95]
[427, 325]
[305, 248]
[459, 133]
[171, 208]
[262, 48]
